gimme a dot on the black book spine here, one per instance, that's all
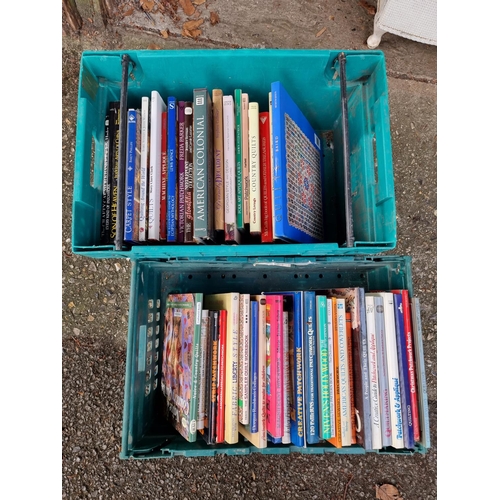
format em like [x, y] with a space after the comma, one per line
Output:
[106, 201]
[212, 416]
[114, 138]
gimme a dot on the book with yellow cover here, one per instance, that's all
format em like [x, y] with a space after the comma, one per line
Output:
[337, 439]
[218, 160]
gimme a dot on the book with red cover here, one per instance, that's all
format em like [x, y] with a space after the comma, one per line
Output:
[163, 185]
[274, 365]
[265, 179]
[221, 386]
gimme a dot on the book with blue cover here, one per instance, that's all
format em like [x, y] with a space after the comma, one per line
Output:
[133, 177]
[298, 172]
[172, 185]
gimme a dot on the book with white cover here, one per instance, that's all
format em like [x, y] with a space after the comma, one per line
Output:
[373, 373]
[254, 158]
[158, 106]
[231, 232]
[244, 361]
[345, 396]
[143, 206]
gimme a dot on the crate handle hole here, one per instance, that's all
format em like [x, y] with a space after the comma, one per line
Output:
[339, 276]
[264, 276]
[306, 276]
[321, 276]
[295, 276]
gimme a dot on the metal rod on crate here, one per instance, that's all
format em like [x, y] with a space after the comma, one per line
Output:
[347, 152]
[122, 154]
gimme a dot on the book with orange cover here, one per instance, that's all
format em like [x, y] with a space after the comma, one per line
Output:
[337, 439]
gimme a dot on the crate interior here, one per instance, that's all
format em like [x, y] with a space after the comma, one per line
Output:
[146, 432]
[311, 78]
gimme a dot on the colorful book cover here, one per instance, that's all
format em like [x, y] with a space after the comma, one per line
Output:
[274, 365]
[218, 160]
[355, 304]
[189, 172]
[210, 387]
[181, 171]
[221, 378]
[229, 302]
[245, 158]
[254, 168]
[408, 436]
[331, 364]
[271, 158]
[157, 108]
[423, 405]
[202, 399]
[265, 179]
[286, 377]
[231, 233]
[244, 360]
[311, 367]
[144, 205]
[106, 204]
[238, 140]
[254, 366]
[164, 176]
[114, 141]
[130, 220]
[172, 186]
[345, 396]
[354, 417]
[325, 429]
[203, 190]
[373, 372]
[298, 196]
[181, 361]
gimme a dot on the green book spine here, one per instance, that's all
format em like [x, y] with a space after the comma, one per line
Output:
[239, 160]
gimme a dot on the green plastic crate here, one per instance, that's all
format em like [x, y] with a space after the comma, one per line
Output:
[311, 78]
[146, 433]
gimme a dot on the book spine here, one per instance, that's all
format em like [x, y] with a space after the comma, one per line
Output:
[408, 437]
[354, 419]
[137, 178]
[245, 158]
[209, 382]
[181, 172]
[189, 206]
[202, 399]
[286, 380]
[143, 210]
[373, 372]
[238, 160]
[231, 412]
[218, 160]
[393, 373]
[164, 175]
[271, 160]
[172, 186]
[254, 371]
[331, 365]
[106, 206]
[203, 162]
[345, 403]
[323, 378]
[385, 414]
[115, 166]
[311, 385]
[195, 371]
[130, 177]
[214, 360]
[244, 360]
[221, 377]
[423, 405]
[231, 233]
[265, 179]
[254, 158]
[410, 354]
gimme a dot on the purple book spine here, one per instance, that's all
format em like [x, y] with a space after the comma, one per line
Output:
[181, 173]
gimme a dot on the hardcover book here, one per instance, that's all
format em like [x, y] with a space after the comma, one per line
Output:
[245, 158]
[244, 360]
[254, 157]
[144, 205]
[238, 158]
[218, 160]
[209, 423]
[229, 302]
[202, 398]
[271, 158]
[172, 186]
[188, 183]
[331, 365]
[254, 366]
[298, 195]
[354, 420]
[286, 376]
[181, 171]
[114, 141]
[157, 108]
[203, 190]
[106, 187]
[133, 177]
[181, 361]
[265, 179]
[163, 176]
[325, 429]
[221, 377]
[231, 233]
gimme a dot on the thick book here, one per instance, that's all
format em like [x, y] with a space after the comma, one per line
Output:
[254, 158]
[245, 158]
[114, 165]
[238, 149]
[203, 167]
[298, 173]
[274, 365]
[355, 304]
[344, 372]
[423, 405]
[266, 213]
[231, 233]
[144, 205]
[172, 185]
[244, 360]
[189, 172]
[311, 367]
[325, 422]
[163, 176]
[218, 131]
[408, 436]
[181, 361]
[229, 302]
[286, 376]
[202, 397]
[373, 374]
[157, 108]
[254, 366]
[221, 379]
[106, 187]
[133, 177]
[181, 171]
